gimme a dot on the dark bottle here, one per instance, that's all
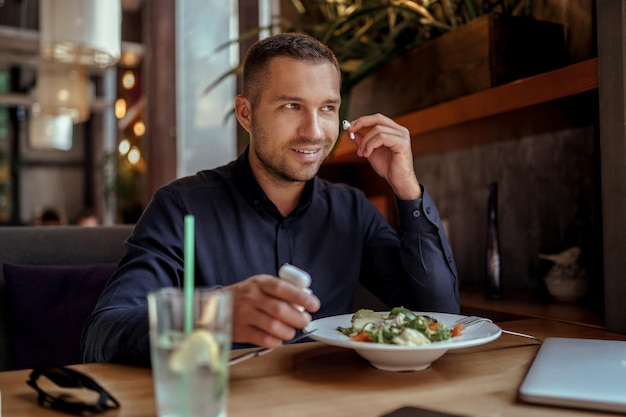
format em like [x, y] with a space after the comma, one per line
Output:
[493, 279]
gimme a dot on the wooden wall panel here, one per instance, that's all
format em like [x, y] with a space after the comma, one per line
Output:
[161, 94]
[612, 96]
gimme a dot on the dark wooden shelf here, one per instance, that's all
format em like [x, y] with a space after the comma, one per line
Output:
[543, 88]
[524, 304]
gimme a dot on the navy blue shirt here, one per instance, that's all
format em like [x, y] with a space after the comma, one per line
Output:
[335, 234]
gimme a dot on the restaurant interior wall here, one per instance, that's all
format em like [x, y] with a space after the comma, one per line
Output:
[546, 162]
[66, 181]
[42, 179]
[143, 23]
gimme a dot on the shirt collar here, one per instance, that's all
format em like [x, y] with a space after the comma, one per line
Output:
[254, 194]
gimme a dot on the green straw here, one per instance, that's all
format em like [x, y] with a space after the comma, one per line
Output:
[189, 272]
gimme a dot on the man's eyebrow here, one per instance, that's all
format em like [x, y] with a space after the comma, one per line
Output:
[286, 98]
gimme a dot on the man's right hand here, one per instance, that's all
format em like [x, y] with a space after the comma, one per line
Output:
[265, 310]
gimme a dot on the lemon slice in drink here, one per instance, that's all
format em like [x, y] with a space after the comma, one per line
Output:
[199, 348]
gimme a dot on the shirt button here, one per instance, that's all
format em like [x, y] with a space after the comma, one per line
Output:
[427, 210]
[257, 202]
[416, 213]
[450, 259]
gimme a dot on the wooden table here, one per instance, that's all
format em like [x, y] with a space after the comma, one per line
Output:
[313, 379]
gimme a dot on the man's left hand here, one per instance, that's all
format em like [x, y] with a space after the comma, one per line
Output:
[387, 147]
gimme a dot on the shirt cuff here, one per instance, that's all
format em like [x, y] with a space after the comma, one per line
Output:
[419, 215]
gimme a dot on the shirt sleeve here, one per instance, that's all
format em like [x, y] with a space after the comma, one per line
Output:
[117, 329]
[423, 261]
[427, 255]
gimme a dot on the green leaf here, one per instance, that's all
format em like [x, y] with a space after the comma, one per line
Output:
[234, 71]
[365, 35]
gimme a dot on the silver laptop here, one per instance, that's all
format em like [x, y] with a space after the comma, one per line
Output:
[581, 373]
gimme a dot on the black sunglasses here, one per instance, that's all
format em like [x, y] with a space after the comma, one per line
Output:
[69, 378]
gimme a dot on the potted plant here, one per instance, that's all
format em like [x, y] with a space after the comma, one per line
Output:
[122, 183]
[365, 35]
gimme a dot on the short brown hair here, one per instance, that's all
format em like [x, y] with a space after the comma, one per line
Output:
[292, 45]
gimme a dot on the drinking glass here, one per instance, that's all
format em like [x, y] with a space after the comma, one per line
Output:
[190, 351]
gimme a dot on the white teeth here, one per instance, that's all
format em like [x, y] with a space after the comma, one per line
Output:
[305, 151]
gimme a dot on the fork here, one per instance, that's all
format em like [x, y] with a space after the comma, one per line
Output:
[263, 351]
[474, 320]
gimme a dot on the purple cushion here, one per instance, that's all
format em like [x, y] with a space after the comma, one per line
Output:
[48, 305]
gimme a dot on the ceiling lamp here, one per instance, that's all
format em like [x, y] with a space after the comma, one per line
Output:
[81, 32]
[62, 90]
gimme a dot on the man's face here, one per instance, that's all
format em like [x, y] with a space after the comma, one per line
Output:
[295, 124]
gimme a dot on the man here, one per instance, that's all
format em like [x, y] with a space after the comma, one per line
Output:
[268, 208]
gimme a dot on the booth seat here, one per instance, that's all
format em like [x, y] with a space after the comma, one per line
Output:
[50, 279]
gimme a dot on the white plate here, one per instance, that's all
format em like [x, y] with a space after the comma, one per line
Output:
[402, 358]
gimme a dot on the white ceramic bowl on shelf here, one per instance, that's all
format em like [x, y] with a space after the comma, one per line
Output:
[566, 290]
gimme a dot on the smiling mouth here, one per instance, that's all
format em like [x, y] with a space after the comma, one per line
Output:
[307, 151]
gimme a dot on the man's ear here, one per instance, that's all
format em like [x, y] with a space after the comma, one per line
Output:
[242, 111]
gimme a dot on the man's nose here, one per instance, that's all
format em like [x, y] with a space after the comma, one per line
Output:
[311, 126]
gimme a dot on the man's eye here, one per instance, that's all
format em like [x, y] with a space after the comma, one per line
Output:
[329, 108]
[292, 106]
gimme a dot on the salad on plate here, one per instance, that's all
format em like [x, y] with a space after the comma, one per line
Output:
[400, 326]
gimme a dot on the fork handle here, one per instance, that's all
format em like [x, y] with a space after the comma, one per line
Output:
[522, 335]
[263, 351]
